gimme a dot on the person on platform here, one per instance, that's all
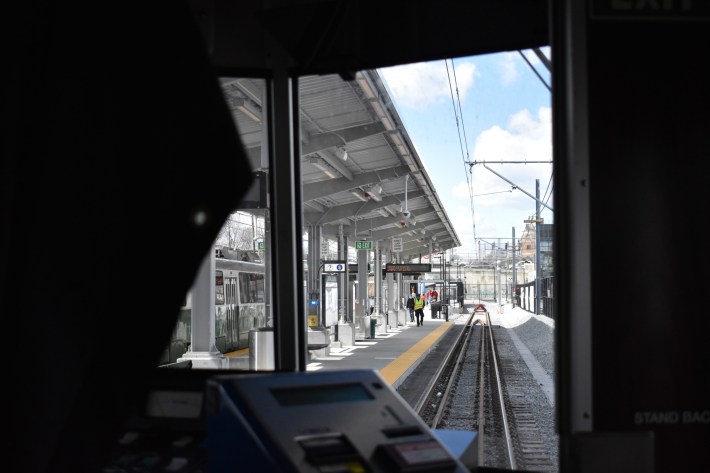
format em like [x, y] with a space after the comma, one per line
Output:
[419, 304]
[433, 303]
[410, 306]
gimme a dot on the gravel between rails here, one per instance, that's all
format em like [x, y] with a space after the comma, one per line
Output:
[537, 334]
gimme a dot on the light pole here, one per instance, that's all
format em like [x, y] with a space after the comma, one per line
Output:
[464, 288]
[500, 289]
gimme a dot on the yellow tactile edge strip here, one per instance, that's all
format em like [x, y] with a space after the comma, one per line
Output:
[397, 371]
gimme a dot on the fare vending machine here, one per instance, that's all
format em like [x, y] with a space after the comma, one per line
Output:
[344, 421]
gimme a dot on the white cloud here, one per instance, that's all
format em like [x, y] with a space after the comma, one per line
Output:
[506, 68]
[525, 138]
[422, 84]
[461, 190]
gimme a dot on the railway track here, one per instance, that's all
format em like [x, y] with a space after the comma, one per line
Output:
[478, 386]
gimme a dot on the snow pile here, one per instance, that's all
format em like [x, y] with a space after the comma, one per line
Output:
[510, 317]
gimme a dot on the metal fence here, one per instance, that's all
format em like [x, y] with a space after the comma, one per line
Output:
[525, 295]
[522, 296]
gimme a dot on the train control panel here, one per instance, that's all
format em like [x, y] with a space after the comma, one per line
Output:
[341, 421]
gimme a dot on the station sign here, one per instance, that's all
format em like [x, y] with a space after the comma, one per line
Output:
[397, 244]
[408, 268]
[363, 245]
[334, 266]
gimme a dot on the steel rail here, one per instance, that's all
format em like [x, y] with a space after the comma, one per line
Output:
[482, 391]
[419, 405]
[501, 398]
[454, 371]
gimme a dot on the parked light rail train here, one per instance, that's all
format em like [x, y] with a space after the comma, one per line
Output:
[239, 307]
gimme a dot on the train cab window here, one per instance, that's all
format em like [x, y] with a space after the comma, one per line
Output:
[374, 190]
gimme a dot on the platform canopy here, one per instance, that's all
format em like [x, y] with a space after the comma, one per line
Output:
[360, 171]
[359, 167]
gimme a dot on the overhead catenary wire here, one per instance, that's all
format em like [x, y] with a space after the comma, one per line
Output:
[460, 128]
[547, 195]
[458, 114]
[512, 188]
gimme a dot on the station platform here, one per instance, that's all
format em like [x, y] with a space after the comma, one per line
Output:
[394, 354]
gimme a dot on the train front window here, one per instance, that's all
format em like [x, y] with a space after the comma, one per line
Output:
[384, 168]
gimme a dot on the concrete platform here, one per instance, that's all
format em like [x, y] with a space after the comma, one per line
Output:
[394, 354]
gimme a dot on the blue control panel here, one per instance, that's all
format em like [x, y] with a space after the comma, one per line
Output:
[339, 421]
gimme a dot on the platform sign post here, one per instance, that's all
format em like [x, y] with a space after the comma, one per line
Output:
[397, 245]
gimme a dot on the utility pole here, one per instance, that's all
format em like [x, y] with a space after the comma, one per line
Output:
[498, 267]
[514, 285]
[538, 266]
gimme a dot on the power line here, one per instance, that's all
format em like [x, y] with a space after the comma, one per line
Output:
[512, 188]
[459, 128]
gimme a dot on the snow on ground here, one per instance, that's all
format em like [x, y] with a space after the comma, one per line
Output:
[509, 317]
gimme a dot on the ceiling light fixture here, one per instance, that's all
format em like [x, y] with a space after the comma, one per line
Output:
[247, 108]
[375, 192]
[359, 194]
[341, 153]
[365, 86]
[383, 116]
[327, 169]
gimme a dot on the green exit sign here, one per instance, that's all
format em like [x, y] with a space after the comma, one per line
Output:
[363, 245]
[260, 246]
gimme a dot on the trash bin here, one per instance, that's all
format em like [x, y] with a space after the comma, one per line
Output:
[373, 324]
[261, 348]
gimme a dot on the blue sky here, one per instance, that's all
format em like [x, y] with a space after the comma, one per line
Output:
[503, 111]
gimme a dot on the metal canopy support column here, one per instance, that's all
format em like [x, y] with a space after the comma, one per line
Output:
[377, 272]
[264, 165]
[287, 263]
[343, 293]
[362, 279]
[392, 293]
[314, 259]
[202, 352]
[444, 288]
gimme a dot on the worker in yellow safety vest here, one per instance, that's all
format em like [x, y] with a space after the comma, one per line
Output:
[419, 304]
